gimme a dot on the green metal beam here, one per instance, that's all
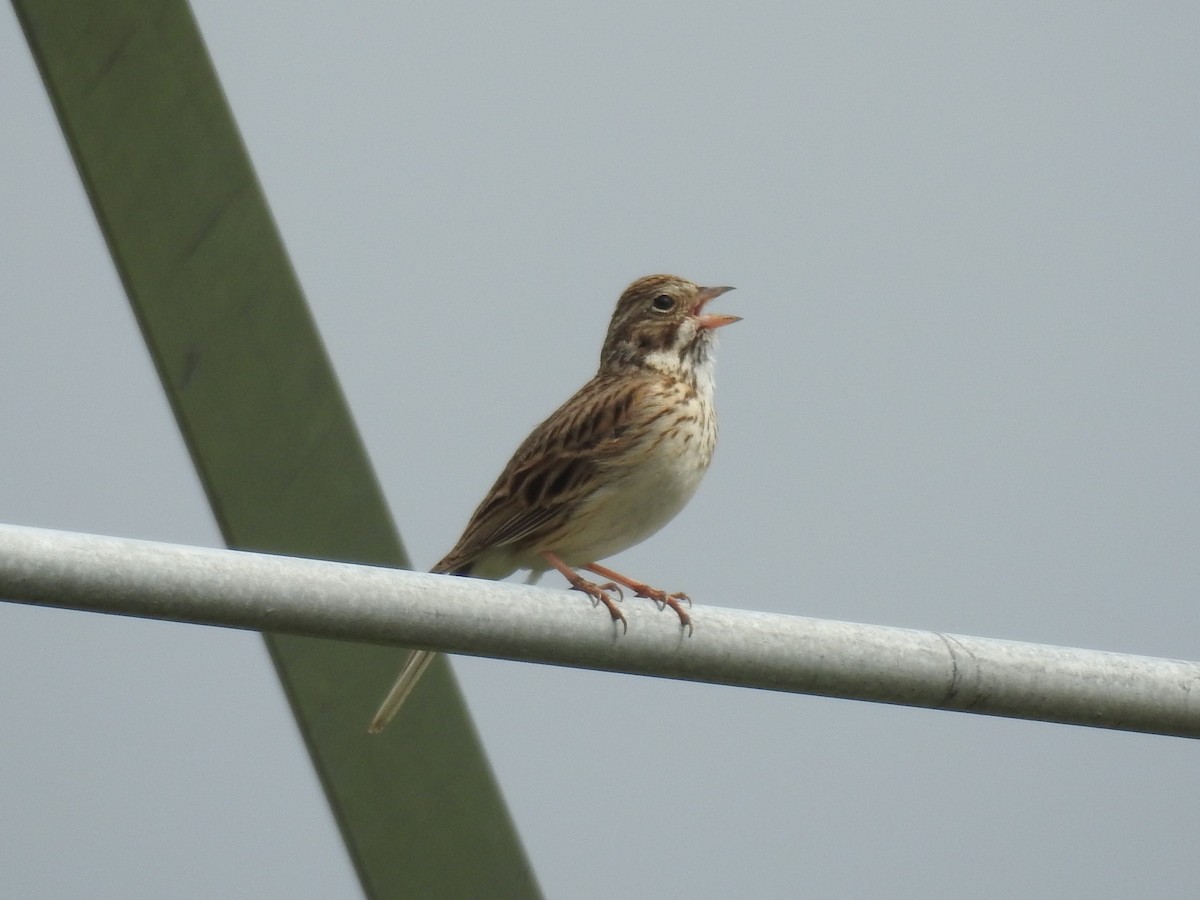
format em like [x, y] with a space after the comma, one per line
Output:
[267, 426]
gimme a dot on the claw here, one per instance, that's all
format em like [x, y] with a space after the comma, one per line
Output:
[672, 600]
[599, 594]
[662, 600]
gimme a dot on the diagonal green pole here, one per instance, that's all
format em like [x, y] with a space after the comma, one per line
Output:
[267, 426]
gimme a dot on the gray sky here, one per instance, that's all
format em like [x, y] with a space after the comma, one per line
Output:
[965, 239]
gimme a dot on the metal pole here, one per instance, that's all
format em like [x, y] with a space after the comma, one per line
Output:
[483, 618]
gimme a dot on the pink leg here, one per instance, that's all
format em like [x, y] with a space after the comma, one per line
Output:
[598, 592]
[640, 589]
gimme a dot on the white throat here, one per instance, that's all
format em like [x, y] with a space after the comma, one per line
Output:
[696, 366]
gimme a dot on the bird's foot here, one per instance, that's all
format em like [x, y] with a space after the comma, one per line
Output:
[662, 600]
[640, 589]
[600, 594]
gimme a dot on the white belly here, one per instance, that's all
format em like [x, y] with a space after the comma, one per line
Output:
[642, 491]
[644, 499]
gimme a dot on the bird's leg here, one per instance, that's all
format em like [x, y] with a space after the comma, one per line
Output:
[640, 589]
[598, 592]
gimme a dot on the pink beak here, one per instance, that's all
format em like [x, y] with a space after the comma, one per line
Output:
[712, 320]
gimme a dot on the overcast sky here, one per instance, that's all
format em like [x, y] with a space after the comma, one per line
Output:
[966, 241]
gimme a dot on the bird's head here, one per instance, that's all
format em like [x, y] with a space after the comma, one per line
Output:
[660, 322]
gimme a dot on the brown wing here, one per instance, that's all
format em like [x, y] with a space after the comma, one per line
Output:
[555, 469]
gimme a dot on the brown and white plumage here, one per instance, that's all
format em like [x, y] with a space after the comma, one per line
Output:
[609, 467]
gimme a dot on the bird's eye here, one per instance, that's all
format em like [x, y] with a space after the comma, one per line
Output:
[663, 303]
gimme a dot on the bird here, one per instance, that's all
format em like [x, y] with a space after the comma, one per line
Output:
[608, 468]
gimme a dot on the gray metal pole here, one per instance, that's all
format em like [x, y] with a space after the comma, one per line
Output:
[464, 615]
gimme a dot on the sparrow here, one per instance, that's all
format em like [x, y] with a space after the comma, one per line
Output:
[609, 467]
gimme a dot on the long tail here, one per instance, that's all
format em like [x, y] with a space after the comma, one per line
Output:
[410, 673]
[414, 667]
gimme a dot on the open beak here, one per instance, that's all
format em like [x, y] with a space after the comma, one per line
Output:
[711, 320]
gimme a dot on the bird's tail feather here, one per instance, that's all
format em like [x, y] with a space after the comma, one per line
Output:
[410, 673]
[414, 667]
